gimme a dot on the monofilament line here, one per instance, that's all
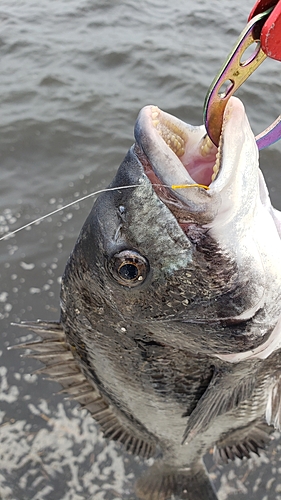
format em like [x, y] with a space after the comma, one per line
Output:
[7, 235]
[174, 186]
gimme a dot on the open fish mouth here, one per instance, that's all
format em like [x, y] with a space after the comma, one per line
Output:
[198, 155]
[178, 153]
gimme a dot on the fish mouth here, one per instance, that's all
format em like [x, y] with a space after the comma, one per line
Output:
[191, 145]
[177, 153]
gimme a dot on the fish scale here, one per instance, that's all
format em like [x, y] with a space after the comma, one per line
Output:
[187, 358]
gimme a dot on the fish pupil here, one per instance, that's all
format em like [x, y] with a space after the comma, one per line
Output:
[128, 271]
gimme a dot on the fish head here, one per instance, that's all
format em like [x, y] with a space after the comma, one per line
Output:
[192, 268]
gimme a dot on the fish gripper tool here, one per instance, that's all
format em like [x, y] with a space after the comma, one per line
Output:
[263, 30]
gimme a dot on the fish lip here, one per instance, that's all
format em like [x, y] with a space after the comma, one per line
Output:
[170, 169]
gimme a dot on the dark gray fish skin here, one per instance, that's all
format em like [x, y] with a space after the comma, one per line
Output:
[171, 326]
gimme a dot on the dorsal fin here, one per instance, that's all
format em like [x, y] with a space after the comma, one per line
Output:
[241, 442]
[60, 365]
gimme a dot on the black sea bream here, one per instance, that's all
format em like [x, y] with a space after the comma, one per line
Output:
[170, 305]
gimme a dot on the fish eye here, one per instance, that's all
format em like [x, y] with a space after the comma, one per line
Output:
[129, 268]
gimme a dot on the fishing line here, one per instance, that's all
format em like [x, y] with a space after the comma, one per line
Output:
[173, 186]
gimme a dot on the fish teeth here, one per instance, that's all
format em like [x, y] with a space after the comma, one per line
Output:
[170, 132]
[216, 167]
[154, 115]
[207, 146]
[217, 164]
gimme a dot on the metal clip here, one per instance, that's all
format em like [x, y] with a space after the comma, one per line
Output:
[236, 71]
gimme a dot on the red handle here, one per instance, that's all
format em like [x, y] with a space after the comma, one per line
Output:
[271, 30]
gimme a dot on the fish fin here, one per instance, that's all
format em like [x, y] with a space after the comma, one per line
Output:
[242, 441]
[57, 355]
[162, 482]
[273, 407]
[227, 389]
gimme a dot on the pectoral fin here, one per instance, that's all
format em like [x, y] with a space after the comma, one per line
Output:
[273, 408]
[228, 388]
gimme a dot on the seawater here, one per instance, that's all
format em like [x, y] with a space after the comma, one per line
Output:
[74, 75]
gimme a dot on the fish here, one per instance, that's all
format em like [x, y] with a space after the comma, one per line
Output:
[170, 326]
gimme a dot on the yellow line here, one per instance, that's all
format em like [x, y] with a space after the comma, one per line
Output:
[183, 186]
